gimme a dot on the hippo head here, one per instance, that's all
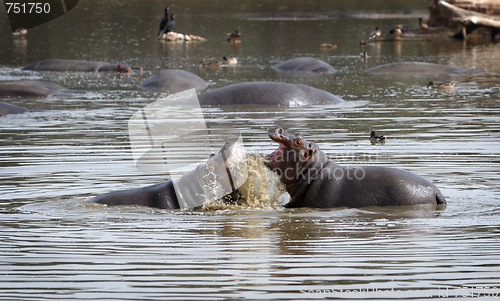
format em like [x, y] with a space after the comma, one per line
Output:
[294, 155]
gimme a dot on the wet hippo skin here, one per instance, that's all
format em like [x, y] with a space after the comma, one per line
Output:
[267, 93]
[188, 191]
[314, 181]
[160, 196]
[307, 64]
[175, 81]
[78, 66]
[7, 108]
[31, 88]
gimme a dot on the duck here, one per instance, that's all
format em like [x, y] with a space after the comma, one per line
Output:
[233, 36]
[231, 61]
[364, 55]
[163, 22]
[20, 32]
[328, 45]
[443, 86]
[423, 24]
[375, 35]
[397, 32]
[210, 64]
[374, 138]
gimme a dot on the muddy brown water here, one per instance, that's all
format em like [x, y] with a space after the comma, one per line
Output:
[55, 244]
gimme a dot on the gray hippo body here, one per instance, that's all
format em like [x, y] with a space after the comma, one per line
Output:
[306, 64]
[160, 196]
[267, 93]
[174, 81]
[193, 188]
[7, 108]
[314, 181]
[79, 66]
[31, 88]
[416, 68]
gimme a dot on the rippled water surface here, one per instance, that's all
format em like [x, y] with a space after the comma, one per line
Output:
[55, 244]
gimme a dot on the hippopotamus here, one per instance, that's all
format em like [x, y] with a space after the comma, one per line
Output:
[267, 93]
[227, 170]
[32, 88]
[314, 181]
[80, 66]
[307, 64]
[7, 108]
[416, 68]
[174, 81]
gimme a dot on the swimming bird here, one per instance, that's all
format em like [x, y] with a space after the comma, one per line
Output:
[423, 24]
[328, 45]
[20, 32]
[233, 36]
[163, 22]
[210, 64]
[364, 55]
[443, 86]
[374, 138]
[231, 61]
[396, 31]
[375, 34]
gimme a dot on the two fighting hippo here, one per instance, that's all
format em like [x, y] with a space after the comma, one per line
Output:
[310, 178]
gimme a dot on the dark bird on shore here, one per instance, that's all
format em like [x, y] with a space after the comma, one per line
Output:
[170, 26]
[233, 36]
[374, 138]
[163, 21]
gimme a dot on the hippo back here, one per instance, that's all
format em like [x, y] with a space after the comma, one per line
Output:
[267, 93]
[28, 88]
[71, 65]
[7, 108]
[174, 81]
[307, 64]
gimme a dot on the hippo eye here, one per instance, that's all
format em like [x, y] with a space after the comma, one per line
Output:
[298, 142]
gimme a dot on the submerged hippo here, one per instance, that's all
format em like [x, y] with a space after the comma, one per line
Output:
[416, 68]
[193, 188]
[174, 81]
[32, 88]
[7, 108]
[80, 66]
[308, 64]
[267, 93]
[314, 181]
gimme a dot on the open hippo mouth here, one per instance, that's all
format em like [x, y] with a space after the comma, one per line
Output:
[282, 137]
[279, 151]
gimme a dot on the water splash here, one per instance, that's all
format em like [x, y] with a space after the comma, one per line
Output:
[261, 190]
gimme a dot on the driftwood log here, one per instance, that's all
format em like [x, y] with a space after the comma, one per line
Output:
[465, 16]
